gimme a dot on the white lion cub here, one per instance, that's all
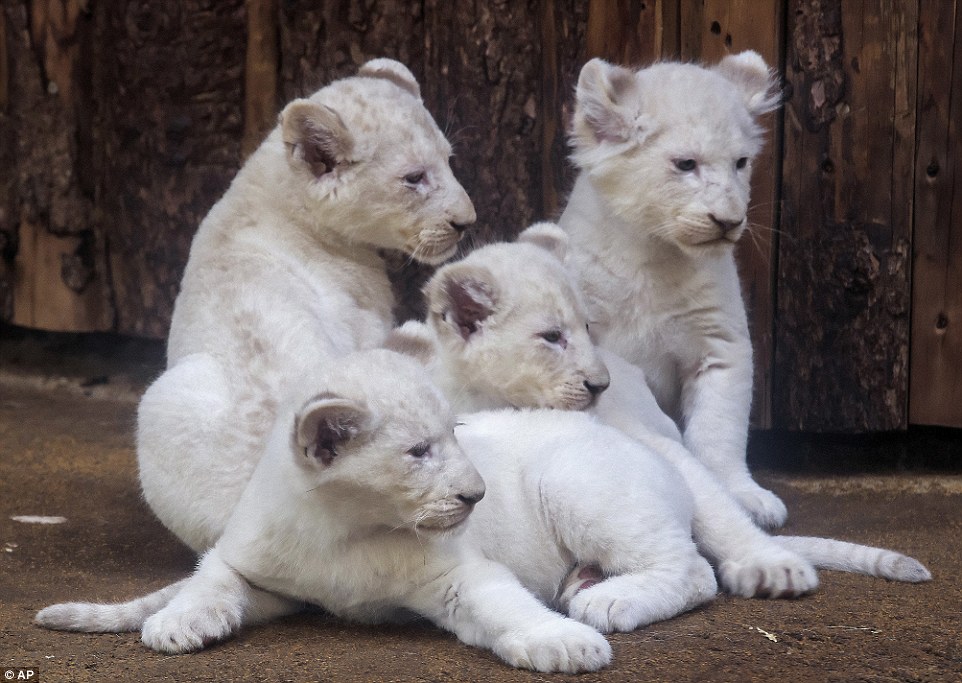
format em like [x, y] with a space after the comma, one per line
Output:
[356, 506]
[665, 157]
[284, 275]
[506, 327]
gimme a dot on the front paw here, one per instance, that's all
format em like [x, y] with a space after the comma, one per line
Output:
[175, 630]
[610, 610]
[772, 573]
[561, 645]
[765, 508]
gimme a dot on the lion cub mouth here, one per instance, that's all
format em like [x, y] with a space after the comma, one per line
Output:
[445, 521]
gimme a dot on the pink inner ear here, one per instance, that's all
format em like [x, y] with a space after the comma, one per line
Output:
[324, 443]
[317, 155]
[470, 305]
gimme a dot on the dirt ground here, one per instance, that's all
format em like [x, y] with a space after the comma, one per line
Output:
[66, 450]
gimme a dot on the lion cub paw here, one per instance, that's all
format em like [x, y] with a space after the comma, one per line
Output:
[773, 573]
[610, 610]
[561, 645]
[176, 630]
[765, 508]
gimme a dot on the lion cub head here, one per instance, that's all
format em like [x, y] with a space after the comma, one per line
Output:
[670, 147]
[368, 160]
[379, 440]
[509, 328]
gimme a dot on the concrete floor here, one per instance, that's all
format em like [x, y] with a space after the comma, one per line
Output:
[66, 450]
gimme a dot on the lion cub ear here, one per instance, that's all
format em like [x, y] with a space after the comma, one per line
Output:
[461, 296]
[756, 82]
[548, 236]
[325, 423]
[601, 114]
[393, 71]
[315, 135]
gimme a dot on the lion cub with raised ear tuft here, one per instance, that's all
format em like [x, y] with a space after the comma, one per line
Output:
[665, 157]
[284, 276]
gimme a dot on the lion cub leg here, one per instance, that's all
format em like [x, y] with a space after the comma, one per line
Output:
[213, 604]
[484, 605]
[658, 586]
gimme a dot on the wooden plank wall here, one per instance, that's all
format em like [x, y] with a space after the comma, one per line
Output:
[121, 123]
[842, 333]
[935, 386]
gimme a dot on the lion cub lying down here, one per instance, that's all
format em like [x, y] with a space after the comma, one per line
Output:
[506, 327]
[355, 506]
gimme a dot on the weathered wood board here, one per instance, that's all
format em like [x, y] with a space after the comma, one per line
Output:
[935, 389]
[842, 317]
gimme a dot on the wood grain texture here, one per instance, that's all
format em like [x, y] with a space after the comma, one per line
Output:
[564, 26]
[841, 346]
[169, 126]
[634, 33]
[261, 70]
[52, 248]
[935, 390]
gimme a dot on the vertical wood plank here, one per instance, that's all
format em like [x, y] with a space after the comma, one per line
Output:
[841, 342]
[484, 68]
[710, 31]
[632, 33]
[53, 259]
[169, 125]
[564, 25]
[261, 67]
[935, 389]
[322, 41]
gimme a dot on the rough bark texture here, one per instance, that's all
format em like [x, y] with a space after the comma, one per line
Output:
[168, 134]
[843, 287]
[564, 26]
[52, 252]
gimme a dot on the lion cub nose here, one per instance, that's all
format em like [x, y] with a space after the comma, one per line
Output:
[596, 388]
[726, 224]
[470, 499]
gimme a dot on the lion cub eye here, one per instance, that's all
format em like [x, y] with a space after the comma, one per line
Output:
[552, 336]
[741, 163]
[686, 165]
[414, 178]
[420, 450]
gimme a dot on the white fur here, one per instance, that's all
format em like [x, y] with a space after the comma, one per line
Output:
[652, 241]
[284, 276]
[355, 506]
[524, 286]
[561, 495]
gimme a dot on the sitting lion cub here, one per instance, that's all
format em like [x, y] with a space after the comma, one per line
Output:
[665, 158]
[356, 506]
[284, 276]
[506, 327]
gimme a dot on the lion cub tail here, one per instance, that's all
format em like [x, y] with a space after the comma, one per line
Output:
[827, 553]
[106, 618]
